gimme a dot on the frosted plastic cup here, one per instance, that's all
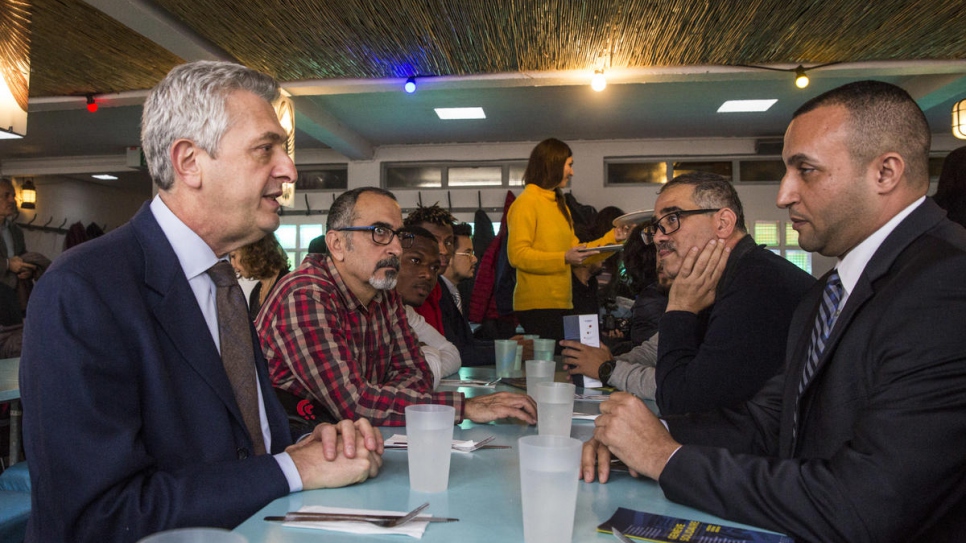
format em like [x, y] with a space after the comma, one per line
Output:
[555, 408]
[531, 336]
[539, 371]
[543, 349]
[429, 436]
[195, 535]
[506, 354]
[518, 362]
[548, 486]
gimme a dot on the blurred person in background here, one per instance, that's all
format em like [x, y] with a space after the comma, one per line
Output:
[951, 192]
[264, 261]
[542, 245]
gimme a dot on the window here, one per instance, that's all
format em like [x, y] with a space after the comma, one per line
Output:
[322, 177]
[633, 173]
[413, 175]
[295, 239]
[770, 234]
[761, 170]
[620, 171]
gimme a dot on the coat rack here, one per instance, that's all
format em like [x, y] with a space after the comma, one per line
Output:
[29, 225]
[406, 210]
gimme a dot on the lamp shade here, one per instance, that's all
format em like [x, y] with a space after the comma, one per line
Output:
[959, 119]
[28, 195]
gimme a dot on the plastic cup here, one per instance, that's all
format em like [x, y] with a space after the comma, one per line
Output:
[555, 408]
[543, 349]
[548, 486]
[518, 362]
[539, 371]
[195, 535]
[531, 336]
[429, 436]
[506, 352]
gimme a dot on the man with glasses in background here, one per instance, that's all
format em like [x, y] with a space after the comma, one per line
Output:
[860, 440]
[719, 344]
[335, 331]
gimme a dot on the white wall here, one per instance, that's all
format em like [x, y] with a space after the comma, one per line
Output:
[60, 199]
[587, 186]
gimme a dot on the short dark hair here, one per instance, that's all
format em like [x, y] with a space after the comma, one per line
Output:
[712, 191]
[883, 118]
[463, 229]
[420, 232]
[342, 211]
[430, 214]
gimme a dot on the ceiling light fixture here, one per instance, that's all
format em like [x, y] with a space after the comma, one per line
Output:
[104, 177]
[745, 106]
[410, 85]
[598, 82]
[801, 79]
[28, 195]
[91, 104]
[959, 119]
[456, 113]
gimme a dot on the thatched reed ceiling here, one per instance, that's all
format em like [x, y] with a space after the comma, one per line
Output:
[77, 49]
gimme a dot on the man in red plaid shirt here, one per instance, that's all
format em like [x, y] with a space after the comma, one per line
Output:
[335, 333]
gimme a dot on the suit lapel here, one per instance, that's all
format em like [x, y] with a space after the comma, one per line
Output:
[176, 310]
[921, 219]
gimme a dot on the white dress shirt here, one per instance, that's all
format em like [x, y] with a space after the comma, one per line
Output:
[196, 257]
[442, 356]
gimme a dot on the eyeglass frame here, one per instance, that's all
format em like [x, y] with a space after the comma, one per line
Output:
[649, 230]
[406, 239]
[469, 252]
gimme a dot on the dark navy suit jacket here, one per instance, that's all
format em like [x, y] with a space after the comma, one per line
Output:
[130, 424]
[880, 451]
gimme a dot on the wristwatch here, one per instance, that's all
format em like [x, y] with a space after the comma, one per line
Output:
[604, 371]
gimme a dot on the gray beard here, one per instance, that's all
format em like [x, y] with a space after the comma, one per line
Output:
[388, 282]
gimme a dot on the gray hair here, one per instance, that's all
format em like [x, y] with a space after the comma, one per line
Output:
[342, 211]
[712, 191]
[191, 103]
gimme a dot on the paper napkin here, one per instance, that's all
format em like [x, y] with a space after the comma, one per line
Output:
[413, 528]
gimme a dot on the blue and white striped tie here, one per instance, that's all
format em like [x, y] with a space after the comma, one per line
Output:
[828, 313]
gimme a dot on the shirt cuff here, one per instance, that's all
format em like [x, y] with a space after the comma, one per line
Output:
[288, 468]
[675, 451]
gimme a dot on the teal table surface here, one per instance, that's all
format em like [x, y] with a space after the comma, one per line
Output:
[9, 384]
[483, 492]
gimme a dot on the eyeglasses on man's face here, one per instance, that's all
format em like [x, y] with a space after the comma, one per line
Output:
[470, 253]
[382, 235]
[670, 223]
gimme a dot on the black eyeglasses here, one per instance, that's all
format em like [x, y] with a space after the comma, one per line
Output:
[382, 235]
[670, 223]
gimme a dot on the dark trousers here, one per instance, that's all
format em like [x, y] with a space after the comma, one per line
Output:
[546, 323]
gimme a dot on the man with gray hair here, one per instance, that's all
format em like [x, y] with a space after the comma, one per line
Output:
[336, 335]
[717, 347]
[147, 404]
[861, 438]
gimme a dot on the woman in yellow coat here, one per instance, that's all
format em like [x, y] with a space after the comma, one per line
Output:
[542, 245]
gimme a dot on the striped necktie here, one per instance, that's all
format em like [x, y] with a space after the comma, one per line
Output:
[237, 354]
[828, 313]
